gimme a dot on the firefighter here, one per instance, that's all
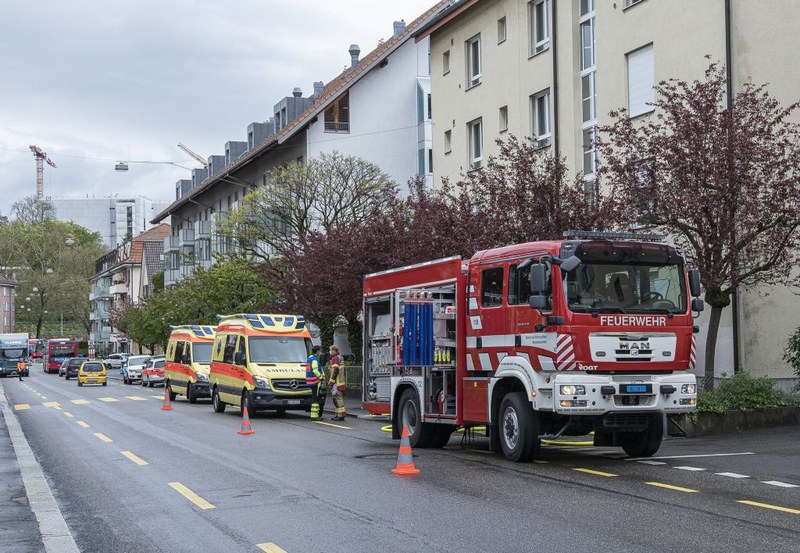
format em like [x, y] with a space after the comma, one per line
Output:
[21, 366]
[315, 380]
[337, 383]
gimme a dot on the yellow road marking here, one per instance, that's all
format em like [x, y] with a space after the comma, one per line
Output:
[773, 507]
[158, 397]
[108, 399]
[190, 495]
[540, 462]
[103, 437]
[480, 451]
[83, 424]
[333, 425]
[270, 548]
[21, 407]
[669, 487]
[53, 404]
[597, 472]
[80, 401]
[67, 414]
[138, 460]
[136, 398]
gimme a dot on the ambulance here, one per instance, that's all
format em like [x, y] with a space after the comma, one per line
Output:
[259, 361]
[188, 359]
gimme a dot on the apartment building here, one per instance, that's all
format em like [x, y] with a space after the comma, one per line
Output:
[8, 289]
[377, 109]
[123, 274]
[552, 70]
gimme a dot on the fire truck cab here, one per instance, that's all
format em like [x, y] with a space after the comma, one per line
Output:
[544, 339]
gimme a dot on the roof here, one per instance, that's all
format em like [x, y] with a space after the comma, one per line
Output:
[330, 93]
[152, 258]
[445, 16]
[149, 243]
[157, 233]
[6, 281]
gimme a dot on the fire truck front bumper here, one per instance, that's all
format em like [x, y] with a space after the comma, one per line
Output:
[580, 393]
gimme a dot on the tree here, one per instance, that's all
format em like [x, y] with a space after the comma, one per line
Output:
[723, 182]
[302, 197]
[525, 194]
[33, 211]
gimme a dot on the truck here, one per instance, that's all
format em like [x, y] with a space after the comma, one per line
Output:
[592, 333]
[13, 347]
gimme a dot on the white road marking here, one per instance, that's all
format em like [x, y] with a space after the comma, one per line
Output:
[270, 548]
[694, 469]
[56, 536]
[652, 462]
[731, 474]
[691, 456]
[780, 484]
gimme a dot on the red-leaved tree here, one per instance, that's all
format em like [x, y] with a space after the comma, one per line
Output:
[725, 183]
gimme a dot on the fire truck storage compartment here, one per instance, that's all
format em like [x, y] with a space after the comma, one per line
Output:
[380, 355]
[440, 382]
[476, 400]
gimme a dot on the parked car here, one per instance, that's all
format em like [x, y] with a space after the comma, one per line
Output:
[63, 368]
[116, 360]
[132, 368]
[71, 366]
[153, 371]
[92, 372]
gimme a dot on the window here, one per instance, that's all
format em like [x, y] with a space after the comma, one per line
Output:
[540, 106]
[176, 352]
[337, 115]
[587, 6]
[501, 30]
[588, 97]
[492, 287]
[421, 161]
[475, 130]
[540, 32]
[447, 147]
[230, 347]
[430, 106]
[420, 104]
[446, 63]
[241, 351]
[631, 2]
[474, 61]
[519, 285]
[587, 44]
[641, 76]
[503, 118]
[588, 151]
[430, 160]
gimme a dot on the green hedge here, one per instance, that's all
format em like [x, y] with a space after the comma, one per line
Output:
[742, 392]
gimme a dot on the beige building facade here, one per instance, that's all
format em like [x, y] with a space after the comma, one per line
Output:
[552, 70]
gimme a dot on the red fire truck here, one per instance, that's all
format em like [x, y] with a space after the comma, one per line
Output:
[555, 338]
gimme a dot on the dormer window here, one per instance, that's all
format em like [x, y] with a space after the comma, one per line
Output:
[337, 115]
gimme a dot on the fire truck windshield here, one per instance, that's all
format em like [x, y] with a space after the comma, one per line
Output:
[626, 288]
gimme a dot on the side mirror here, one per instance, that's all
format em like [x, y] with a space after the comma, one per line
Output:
[694, 283]
[538, 278]
[570, 264]
[697, 305]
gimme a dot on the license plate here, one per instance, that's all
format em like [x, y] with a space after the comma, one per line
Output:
[636, 388]
[293, 401]
[91, 380]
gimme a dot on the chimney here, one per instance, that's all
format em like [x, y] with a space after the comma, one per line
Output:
[399, 27]
[318, 88]
[297, 92]
[354, 52]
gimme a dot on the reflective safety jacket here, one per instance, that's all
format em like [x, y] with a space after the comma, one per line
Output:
[313, 372]
[337, 372]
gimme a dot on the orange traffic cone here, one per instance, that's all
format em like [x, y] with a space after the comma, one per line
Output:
[246, 424]
[166, 406]
[405, 459]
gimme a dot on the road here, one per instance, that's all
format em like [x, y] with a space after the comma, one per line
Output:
[129, 476]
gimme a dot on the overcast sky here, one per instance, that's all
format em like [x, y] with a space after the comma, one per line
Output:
[96, 81]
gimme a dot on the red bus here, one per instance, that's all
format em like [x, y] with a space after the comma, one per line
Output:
[35, 348]
[56, 350]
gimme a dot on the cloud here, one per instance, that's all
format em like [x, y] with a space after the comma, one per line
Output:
[92, 81]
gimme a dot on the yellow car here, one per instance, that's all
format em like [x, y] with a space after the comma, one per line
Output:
[92, 372]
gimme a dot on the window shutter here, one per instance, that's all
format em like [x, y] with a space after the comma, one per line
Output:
[641, 75]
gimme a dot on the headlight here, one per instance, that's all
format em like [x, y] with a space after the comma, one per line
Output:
[260, 382]
[688, 388]
[573, 390]
[201, 377]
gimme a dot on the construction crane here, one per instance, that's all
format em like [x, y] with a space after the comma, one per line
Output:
[40, 156]
[195, 155]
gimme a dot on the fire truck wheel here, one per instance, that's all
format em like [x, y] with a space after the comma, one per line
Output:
[519, 428]
[219, 405]
[442, 437]
[410, 415]
[191, 395]
[646, 442]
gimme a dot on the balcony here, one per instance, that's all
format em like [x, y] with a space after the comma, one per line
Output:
[171, 277]
[121, 288]
[171, 244]
[205, 263]
[202, 229]
[186, 237]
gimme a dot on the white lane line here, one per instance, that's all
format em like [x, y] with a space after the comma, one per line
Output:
[693, 469]
[652, 462]
[779, 484]
[691, 456]
[56, 536]
[731, 474]
[270, 548]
